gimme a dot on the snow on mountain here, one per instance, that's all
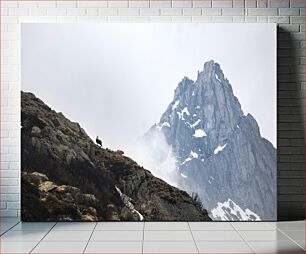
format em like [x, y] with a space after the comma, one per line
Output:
[194, 154]
[181, 114]
[219, 149]
[199, 133]
[127, 202]
[230, 211]
[186, 160]
[217, 78]
[184, 176]
[165, 124]
[196, 123]
[241, 162]
[176, 103]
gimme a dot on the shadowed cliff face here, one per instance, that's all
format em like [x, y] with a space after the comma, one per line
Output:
[219, 151]
[66, 177]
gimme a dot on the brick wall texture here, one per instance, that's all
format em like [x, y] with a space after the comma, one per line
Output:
[288, 14]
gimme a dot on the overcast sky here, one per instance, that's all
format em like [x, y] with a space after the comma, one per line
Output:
[117, 79]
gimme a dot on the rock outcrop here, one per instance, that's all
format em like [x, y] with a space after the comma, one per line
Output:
[219, 151]
[66, 177]
[44, 200]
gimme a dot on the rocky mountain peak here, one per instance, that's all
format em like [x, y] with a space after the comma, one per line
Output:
[211, 69]
[206, 109]
[182, 87]
[219, 151]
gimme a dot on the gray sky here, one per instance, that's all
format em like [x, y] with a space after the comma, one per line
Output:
[117, 79]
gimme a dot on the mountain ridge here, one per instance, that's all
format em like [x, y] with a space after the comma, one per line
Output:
[211, 137]
[66, 177]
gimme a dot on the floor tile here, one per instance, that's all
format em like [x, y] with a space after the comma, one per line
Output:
[168, 236]
[216, 236]
[276, 247]
[9, 224]
[211, 226]
[106, 236]
[291, 225]
[33, 226]
[296, 235]
[114, 247]
[166, 226]
[5, 226]
[301, 243]
[223, 247]
[274, 235]
[69, 236]
[169, 247]
[69, 226]
[273, 224]
[23, 236]
[60, 247]
[253, 225]
[17, 247]
[120, 226]
[3, 230]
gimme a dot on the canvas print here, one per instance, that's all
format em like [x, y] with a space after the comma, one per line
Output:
[148, 122]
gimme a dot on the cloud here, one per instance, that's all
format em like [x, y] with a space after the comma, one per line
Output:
[155, 154]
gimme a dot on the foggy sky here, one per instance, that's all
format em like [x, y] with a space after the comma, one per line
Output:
[116, 80]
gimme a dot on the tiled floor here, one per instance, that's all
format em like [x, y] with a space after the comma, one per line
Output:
[152, 237]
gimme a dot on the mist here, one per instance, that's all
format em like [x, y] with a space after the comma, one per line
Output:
[116, 80]
[155, 154]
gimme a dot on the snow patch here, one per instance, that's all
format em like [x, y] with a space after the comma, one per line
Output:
[230, 211]
[165, 124]
[217, 77]
[176, 103]
[194, 154]
[195, 124]
[185, 110]
[188, 159]
[184, 176]
[127, 202]
[181, 114]
[219, 149]
[198, 107]
[199, 133]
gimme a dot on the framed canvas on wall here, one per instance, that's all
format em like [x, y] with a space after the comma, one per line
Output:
[153, 122]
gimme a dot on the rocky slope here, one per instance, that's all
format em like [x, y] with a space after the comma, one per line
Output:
[45, 200]
[66, 177]
[219, 151]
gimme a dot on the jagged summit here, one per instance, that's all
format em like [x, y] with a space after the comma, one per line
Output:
[207, 104]
[211, 66]
[182, 87]
[219, 151]
[211, 70]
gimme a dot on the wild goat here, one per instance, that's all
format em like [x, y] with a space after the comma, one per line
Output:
[98, 141]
